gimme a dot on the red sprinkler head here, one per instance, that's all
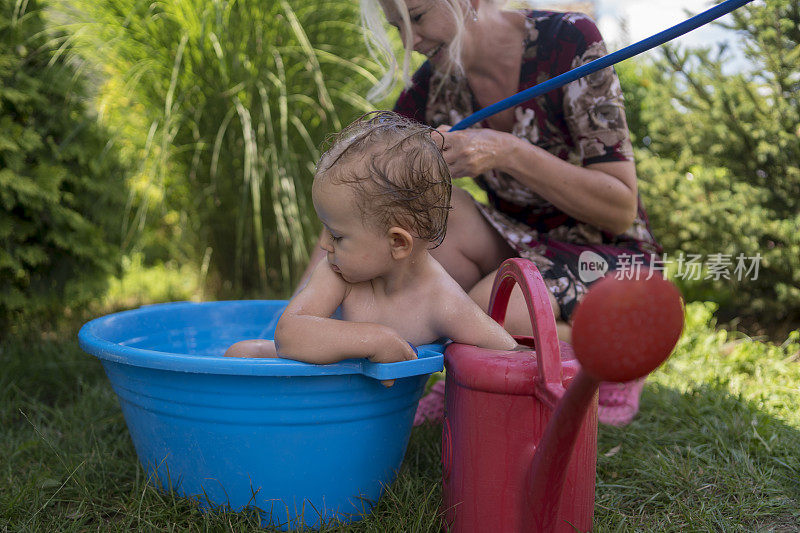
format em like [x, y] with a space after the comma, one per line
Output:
[625, 328]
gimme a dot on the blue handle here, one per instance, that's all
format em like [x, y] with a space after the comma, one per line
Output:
[606, 61]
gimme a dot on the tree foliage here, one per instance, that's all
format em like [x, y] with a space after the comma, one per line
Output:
[61, 187]
[719, 153]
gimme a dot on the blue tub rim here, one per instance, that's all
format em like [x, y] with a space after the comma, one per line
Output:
[90, 339]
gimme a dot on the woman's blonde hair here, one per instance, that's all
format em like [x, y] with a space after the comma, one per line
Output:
[380, 47]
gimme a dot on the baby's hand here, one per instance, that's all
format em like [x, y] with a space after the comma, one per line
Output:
[391, 349]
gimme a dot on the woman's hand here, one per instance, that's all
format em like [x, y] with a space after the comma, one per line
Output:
[601, 194]
[469, 152]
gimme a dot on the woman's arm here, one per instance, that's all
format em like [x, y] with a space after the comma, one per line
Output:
[601, 194]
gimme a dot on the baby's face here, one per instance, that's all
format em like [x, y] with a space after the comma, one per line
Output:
[356, 252]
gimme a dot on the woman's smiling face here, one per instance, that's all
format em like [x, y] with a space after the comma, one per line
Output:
[433, 26]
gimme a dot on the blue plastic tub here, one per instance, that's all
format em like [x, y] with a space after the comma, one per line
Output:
[305, 444]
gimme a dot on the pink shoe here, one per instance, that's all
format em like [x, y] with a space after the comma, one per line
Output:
[431, 406]
[618, 403]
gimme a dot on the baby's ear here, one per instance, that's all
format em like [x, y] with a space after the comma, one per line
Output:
[400, 242]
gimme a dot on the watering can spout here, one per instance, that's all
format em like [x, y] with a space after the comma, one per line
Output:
[548, 462]
[622, 330]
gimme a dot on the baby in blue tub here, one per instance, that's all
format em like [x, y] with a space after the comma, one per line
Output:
[382, 192]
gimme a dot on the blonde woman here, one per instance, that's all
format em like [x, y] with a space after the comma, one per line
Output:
[558, 170]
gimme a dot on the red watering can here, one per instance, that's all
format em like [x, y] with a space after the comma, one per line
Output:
[519, 443]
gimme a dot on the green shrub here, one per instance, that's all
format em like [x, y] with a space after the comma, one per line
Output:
[233, 100]
[140, 284]
[761, 372]
[61, 186]
[718, 155]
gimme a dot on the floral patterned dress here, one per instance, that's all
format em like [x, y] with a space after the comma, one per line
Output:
[582, 123]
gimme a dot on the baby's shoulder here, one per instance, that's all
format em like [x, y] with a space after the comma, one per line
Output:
[442, 279]
[442, 290]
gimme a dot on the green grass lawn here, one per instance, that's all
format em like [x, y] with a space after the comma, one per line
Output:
[716, 447]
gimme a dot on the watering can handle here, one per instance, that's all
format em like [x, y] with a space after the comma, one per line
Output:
[543, 322]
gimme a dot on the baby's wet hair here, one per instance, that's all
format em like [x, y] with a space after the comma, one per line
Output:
[396, 168]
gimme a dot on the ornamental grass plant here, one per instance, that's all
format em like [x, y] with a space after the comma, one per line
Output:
[224, 106]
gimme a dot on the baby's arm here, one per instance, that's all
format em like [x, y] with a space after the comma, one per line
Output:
[252, 348]
[459, 318]
[305, 331]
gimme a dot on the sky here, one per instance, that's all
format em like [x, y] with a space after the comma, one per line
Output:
[647, 17]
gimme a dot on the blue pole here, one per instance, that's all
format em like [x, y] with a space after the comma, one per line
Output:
[606, 61]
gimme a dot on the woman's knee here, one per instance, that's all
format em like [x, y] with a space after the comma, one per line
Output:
[518, 320]
[482, 292]
[472, 247]
[453, 253]
[463, 217]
